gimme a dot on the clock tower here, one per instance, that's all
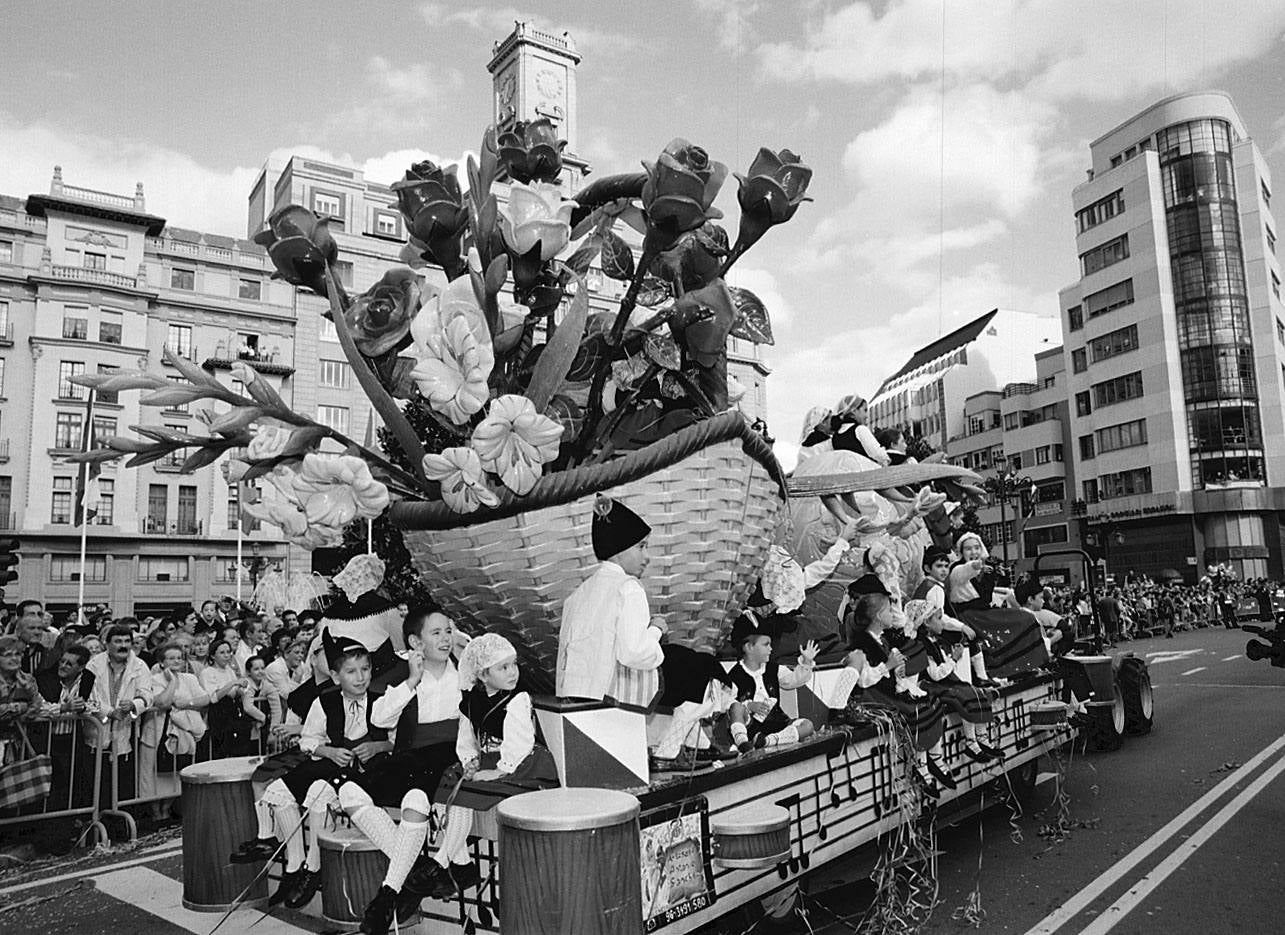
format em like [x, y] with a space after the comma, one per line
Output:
[533, 75]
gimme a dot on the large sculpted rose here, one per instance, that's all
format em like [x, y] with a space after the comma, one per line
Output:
[380, 318]
[531, 151]
[679, 193]
[514, 441]
[536, 214]
[431, 203]
[456, 355]
[300, 245]
[770, 192]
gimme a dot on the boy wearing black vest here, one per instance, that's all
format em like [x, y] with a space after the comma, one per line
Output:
[756, 716]
[341, 743]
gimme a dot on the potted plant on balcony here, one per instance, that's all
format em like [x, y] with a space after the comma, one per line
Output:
[506, 404]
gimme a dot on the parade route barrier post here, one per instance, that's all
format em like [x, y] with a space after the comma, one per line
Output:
[76, 791]
[352, 869]
[218, 815]
[569, 859]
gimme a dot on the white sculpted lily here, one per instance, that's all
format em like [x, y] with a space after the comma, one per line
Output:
[335, 491]
[536, 213]
[459, 471]
[456, 356]
[514, 441]
[270, 441]
[280, 506]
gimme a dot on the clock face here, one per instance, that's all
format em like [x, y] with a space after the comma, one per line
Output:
[549, 83]
[507, 86]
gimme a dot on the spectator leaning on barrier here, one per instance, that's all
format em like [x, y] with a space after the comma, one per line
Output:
[122, 692]
[68, 691]
[19, 697]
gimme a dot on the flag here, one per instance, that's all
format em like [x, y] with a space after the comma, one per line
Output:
[87, 486]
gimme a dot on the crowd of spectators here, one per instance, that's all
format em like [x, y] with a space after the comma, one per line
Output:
[145, 696]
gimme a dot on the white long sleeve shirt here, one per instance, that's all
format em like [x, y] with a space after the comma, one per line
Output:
[519, 736]
[134, 684]
[604, 635]
[314, 725]
[436, 699]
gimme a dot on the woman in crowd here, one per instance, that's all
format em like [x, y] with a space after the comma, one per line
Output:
[175, 724]
[229, 725]
[19, 698]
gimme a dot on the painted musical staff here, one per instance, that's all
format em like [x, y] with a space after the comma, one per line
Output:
[794, 805]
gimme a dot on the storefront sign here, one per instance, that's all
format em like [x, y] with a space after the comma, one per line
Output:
[1150, 510]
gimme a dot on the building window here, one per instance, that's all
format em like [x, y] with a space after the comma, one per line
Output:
[60, 512]
[1276, 285]
[1101, 210]
[95, 260]
[1079, 360]
[178, 338]
[110, 327]
[326, 205]
[334, 417]
[1043, 455]
[1, 376]
[1271, 241]
[104, 427]
[68, 427]
[1120, 341]
[158, 500]
[1125, 483]
[1110, 392]
[183, 279]
[66, 370]
[67, 568]
[1075, 317]
[1110, 298]
[106, 515]
[1059, 454]
[187, 524]
[1082, 405]
[1011, 421]
[6, 251]
[1124, 435]
[177, 407]
[1267, 193]
[343, 272]
[249, 289]
[4, 320]
[386, 223]
[328, 332]
[1086, 448]
[162, 568]
[333, 373]
[1107, 254]
[75, 323]
[1032, 539]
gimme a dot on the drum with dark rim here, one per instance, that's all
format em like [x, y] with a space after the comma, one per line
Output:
[218, 815]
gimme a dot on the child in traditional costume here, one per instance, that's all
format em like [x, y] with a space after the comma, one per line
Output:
[756, 717]
[342, 744]
[499, 756]
[425, 711]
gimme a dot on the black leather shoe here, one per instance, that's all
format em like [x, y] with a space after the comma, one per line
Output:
[284, 889]
[423, 878]
[305, 887]
[927, 785]
[683, 763]
[253, 851]
[378, 917]
[457, 879]
[940, 774]
[979, 755]
[407, 907]
[990, 751]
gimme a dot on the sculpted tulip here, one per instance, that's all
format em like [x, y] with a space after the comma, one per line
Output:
[679, 193]
[536, 214]
[459, 471]
[531, 151]
[770, 192]
[300, 245]
[336, 491]
[514, 441]
[431, 203]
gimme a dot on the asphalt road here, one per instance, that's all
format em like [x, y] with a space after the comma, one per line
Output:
[1213, 873]
[1180, 831]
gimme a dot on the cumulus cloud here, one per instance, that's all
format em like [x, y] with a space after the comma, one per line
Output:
[499, 22]
[418, 83]
[734, 30]
[1095, 49]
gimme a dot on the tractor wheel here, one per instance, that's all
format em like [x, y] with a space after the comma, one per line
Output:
[1106, 724]
[1134, 681]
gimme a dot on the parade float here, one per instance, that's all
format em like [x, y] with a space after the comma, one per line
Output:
[506, 407]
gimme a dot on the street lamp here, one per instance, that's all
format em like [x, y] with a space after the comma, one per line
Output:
[1006, 486]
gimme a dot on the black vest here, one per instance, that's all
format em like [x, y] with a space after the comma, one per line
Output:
[412, 735]
[333, 704]
[744, 682]
[875, 655]
[486, 714]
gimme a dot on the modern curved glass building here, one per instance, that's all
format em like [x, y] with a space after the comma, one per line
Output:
[1175, 343]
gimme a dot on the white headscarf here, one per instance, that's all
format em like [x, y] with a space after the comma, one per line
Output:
[480, 654]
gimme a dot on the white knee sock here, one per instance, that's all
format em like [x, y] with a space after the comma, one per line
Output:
[263, 813]
[785, 735]
[740, 733]
[453, 847]
[409, 843]
[979, 666]
[320, 799]
[286, 822]
[372, 820]
[970, 731]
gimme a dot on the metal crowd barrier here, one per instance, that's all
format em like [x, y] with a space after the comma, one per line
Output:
[73, 743]
[149, 772]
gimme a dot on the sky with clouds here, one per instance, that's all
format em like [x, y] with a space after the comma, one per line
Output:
[945, 135]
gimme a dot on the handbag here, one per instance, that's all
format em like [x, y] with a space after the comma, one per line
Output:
[28, 780]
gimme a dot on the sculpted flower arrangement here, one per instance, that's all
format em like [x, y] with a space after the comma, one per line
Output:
[480, 354]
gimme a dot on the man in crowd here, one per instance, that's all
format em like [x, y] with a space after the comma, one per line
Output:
[68, 690]
[32, 631]
[121, 692]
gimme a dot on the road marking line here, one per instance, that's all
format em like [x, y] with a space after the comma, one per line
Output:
[1195, 670]
[1126, 903]
[162, 897]
[1069, 910]
[1215, 685]
[90, 871]
[1231, 658]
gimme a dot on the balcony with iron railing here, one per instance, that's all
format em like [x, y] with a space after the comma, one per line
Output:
[158, 526]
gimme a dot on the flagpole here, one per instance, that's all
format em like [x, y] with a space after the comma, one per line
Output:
[240, 527]
[87, 436]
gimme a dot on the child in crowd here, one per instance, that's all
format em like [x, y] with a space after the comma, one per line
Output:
[342, 743]
[498, 757]
[972, 583]
[425, 710]
[756, 717]
[259, 694]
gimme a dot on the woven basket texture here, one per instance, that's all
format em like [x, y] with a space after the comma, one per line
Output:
[711, 513]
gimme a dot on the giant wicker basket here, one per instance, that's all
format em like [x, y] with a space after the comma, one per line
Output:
[711, 493]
